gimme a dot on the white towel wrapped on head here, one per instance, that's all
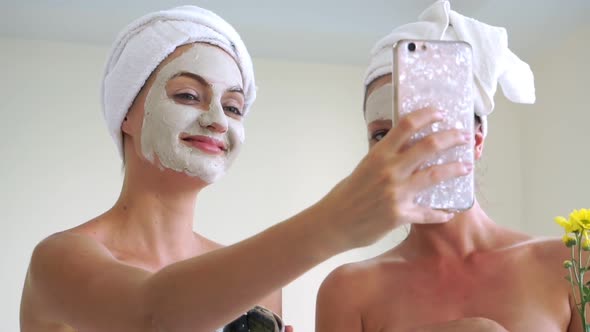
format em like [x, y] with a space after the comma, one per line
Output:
[147, 41]
[493, 62]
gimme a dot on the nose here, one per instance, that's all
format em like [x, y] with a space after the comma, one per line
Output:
[216, 127]
[214, 119]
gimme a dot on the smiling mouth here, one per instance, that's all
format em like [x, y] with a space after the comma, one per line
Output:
[206, 144]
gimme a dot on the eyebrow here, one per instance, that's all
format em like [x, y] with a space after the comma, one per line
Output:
[237, 89]
[200, 79]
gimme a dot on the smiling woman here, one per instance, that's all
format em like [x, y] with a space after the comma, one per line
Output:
[192, 96]
[177, 87]
[304, 134]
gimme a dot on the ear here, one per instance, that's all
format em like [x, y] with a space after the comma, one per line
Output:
[134, 116]
[479, 142]
[126, 127]
[133, 120]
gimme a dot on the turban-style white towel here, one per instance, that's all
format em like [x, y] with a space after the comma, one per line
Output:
[493, 62]
[147, 41]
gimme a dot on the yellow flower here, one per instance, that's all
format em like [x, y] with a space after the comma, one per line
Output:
[569, 226]
[569, 240]
[581, 217]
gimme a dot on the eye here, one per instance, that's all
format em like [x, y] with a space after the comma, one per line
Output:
[233, 109]
[379, 134]
[187, 97]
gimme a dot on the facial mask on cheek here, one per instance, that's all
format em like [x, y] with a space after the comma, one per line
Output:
[380, 104]
[165, 120]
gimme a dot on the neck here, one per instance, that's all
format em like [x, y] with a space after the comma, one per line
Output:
[466, 233]
[157, 210]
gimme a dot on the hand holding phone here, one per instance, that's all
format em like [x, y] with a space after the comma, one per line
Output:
[438, 74]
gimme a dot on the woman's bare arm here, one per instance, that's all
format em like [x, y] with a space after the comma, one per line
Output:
[79, 282]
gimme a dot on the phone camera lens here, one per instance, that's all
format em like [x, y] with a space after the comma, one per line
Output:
[411, 47]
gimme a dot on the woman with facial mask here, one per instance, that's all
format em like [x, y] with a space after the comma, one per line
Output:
[177, 87]
[469, 274]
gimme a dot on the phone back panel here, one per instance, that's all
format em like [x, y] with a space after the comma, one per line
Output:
[438, 74]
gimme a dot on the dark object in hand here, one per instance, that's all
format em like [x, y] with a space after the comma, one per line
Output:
[258, 319]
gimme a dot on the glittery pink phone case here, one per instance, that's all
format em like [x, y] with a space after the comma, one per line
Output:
[438, 74]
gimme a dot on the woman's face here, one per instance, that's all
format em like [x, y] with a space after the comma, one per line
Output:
[193, 112]
[379, 109]
[379, 113]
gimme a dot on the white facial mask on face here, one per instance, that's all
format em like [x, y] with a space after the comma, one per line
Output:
[380, 104]
[166, 120]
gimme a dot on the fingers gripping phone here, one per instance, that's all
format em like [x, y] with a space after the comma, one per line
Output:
[438, 74]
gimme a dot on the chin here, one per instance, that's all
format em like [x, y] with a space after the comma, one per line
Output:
[203, 172]
[197, 181]
[186, 180]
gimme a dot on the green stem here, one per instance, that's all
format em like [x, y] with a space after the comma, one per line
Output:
[581, 282]
[575, 264]
[573, 288]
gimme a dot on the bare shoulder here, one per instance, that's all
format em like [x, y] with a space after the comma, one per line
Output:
[343, 283]
[360, 280]
[51, 256]
[542, 255]
[547, 248]
[538, 248]
[80, 251]
[551, 253]
[45, 279]
[342, 298]
[542, 247]
[87, 241]
[347, 292]
[346, 275]
[550, 244]
[64, 243]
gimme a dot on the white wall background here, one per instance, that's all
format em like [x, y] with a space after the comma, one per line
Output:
[555, 134]
[306, 132]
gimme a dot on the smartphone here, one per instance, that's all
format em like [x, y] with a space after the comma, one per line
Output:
[438, 74]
